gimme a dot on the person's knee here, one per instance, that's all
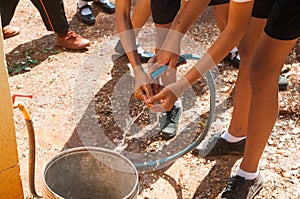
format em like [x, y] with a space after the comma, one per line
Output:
[262, 77]
[245, 55]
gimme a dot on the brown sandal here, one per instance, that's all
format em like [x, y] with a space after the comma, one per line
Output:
[10, 31]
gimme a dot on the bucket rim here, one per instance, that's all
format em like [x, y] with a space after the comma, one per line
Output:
[94, 149]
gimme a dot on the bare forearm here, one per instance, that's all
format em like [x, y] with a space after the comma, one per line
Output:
[239, 19]
[238, 23]
[188, 15]
[126, 32]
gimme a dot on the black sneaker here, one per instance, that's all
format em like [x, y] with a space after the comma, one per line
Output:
[144, 55]
[219, 146]
[170, 126]
[240, 188]
[232, 58]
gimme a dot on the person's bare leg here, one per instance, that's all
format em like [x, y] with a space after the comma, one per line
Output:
[162, 31]
[221, 15]
[264, 70]
[239, 121]
[140, 15]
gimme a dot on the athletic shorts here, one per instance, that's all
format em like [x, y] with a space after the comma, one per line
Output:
[164, 11]
[283, 17]
[218, 2]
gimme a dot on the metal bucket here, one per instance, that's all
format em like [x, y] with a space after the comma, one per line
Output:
[82, 172]
[92, 172]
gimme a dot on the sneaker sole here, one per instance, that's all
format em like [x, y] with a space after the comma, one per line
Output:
[256, 192]
[90, 23]
[167, 136]
[78, 48]
[196, 152]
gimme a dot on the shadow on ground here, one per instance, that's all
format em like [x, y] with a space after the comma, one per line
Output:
[100, 126]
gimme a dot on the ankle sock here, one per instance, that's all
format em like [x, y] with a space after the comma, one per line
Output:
[234, 50]
[230, 138]
[178, 103]
[247, 175]
[104, 1]
[84, 11]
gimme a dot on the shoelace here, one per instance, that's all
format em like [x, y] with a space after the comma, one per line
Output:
[233, 184]
[212, 141]
[71, 35]
[173, 114]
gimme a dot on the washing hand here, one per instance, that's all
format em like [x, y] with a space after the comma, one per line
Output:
[145, 87]
[166, 98]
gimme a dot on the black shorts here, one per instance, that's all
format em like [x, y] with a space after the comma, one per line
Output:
[218, 2]
[283, 17]
[164, 11]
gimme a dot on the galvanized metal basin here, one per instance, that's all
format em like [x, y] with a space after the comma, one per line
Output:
[90, 173]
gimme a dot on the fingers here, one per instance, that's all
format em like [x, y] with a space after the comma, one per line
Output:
[173, 61]
[155, 88]
[161, 107]
[148, 90]
[139, 94]
[144, 92]
[172, 67]
[162, 64]
[154, 64]
[152, 102]
[157, 108]
[153, 69]
[154, 98]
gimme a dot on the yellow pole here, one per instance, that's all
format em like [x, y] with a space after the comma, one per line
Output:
[10, 181]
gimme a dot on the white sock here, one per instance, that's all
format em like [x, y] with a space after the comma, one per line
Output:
[234, 50]
[178, 103]
[85, 11]
[104, 1]
[230, 138]
[247, 175]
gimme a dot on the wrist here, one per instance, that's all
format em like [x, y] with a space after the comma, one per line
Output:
[172, 42]
[179, 87]
[128, 40]
[204, 64]
[138, 69]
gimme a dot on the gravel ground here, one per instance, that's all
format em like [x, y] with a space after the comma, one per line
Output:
[72, 99]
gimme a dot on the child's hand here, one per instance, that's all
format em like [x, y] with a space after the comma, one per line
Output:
[162, 101]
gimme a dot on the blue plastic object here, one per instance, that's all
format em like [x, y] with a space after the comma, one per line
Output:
[156, 74]
[163, 162]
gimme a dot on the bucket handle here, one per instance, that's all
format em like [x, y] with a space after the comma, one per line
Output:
[31, 143]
